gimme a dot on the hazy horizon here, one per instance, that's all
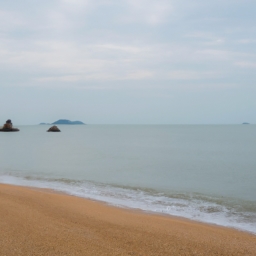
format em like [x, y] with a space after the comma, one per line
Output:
[50, 123]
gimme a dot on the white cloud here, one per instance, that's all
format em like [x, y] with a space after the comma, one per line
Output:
[213, 54]
[99, 76]
[69, 61]
[76, 3]
[115, 47]
[206, 38]
[246, 41]
[148, 11]
[192, 75]
[61, 44]
[246, 64]
[10, 20]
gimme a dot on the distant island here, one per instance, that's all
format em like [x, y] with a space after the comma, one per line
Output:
[245, 123]
[65, 121]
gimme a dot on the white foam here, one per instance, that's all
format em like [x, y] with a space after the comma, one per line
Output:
[188, 207]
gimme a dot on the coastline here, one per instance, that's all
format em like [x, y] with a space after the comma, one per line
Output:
[42, 222]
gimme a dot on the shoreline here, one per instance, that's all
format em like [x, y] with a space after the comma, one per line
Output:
[135, 210]
[38, 221]
[184, 213]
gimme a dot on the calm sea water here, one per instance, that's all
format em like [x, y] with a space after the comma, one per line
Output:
[201, 172]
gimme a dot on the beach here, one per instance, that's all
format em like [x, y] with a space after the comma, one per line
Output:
[202, 173]
[42, 222]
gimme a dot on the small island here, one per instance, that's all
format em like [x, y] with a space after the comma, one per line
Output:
[245, 123]
[64, 121]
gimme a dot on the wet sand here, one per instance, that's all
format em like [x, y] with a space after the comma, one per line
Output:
[41, 222]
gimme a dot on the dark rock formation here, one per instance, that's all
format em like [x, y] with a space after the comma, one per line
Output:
[8, 127]
[9, 130]
[53, 129]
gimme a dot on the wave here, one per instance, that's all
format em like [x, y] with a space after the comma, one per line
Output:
[229, 212]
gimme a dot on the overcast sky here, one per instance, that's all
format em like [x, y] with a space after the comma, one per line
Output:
[128, 61]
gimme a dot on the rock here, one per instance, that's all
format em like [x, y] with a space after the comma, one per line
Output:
[53, 129]
[9, 130]
[8, 127]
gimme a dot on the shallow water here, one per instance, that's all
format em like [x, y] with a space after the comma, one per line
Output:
[202, 172]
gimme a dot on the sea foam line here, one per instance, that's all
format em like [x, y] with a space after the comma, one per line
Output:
[182, 206]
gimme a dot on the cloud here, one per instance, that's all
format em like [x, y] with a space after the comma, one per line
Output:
[124, 48]
[246, 64]
[100, 76]
[73, 62]
[246, 41]
[213, 54]
[71, 41]
[10, 20]
[205, 38]
[192, 75]
[148, 11]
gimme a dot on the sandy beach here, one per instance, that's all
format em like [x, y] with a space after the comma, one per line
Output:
[41, 222]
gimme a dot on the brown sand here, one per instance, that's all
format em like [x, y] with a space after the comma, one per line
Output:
[37, 222]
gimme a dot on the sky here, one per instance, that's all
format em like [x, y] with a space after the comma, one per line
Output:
[128, 61]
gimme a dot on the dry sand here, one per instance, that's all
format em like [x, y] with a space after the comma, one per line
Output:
[39, 222]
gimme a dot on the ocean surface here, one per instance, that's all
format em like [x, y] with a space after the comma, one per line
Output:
[201, 172]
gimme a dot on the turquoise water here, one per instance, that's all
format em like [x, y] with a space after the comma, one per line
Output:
[201, 172]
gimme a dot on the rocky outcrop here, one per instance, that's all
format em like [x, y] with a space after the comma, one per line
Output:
[9, 130]
[53, 129]
[8, 127]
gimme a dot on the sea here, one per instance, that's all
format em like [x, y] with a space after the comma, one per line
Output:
[205, 173]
